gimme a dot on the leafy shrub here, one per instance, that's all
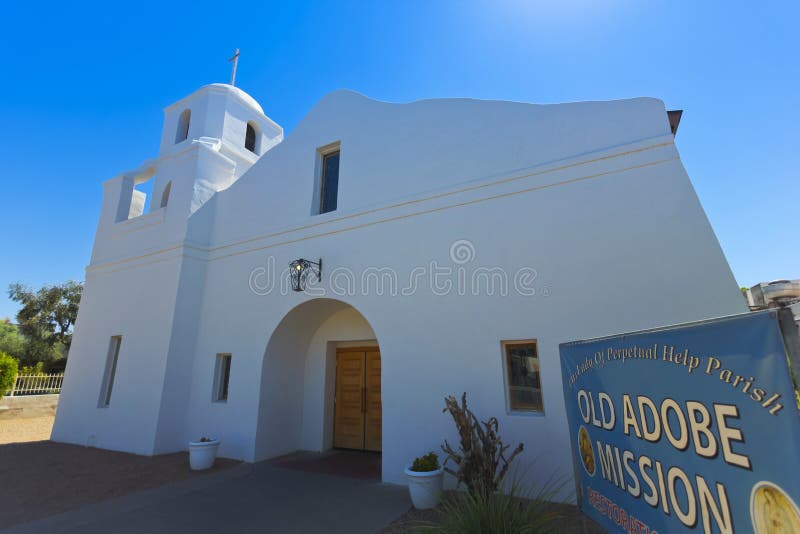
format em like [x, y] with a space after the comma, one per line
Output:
[480, 461]
[11, 341]
[520, 511]
[55, 366]
[8, 373]
[426, 463]
[32, 370]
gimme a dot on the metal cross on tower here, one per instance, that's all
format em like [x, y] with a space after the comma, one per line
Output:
[235, 60]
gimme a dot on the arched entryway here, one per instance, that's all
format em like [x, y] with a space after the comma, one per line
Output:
[320, 383]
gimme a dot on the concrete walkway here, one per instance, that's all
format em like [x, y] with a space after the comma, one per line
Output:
[259, 498]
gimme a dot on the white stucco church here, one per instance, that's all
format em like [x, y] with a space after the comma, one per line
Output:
[460, 242]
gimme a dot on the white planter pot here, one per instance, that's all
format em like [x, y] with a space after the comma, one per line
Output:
[202, 454]
[425, 487]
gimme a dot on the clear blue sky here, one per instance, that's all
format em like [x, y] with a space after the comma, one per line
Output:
[83, 87]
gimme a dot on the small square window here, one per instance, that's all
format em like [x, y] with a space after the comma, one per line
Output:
[329, 182]
[524, 384]
[222, 376]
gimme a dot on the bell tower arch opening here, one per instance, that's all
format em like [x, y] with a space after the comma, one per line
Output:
[182, 133]
[251, 137]
[165, 194]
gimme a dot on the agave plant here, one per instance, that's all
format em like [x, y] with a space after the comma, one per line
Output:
[520, 510]
[480, 462]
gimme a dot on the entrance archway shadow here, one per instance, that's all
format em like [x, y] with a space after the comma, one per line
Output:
[342, 463]
[298, 376]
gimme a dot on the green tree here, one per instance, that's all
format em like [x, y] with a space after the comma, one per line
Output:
[40, 349]
[11, 342]
[46, 318]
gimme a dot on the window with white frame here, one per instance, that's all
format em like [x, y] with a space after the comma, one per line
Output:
[222, 377]
[110, 371]
[328, 178]
[523, 380]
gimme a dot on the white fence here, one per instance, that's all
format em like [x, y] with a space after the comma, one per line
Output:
[37, 384]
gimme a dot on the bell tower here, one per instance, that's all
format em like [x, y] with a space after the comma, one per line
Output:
[209, 139]
[144, 283]
[222, 112]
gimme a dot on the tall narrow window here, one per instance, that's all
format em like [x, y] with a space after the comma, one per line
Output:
[183, 126]
[329, 190]
[110, 372]
[522, 371]
[165, 194]
[250, 137]
[222, 376]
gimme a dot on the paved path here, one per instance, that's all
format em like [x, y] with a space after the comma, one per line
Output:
[261, 498]
[40, 479]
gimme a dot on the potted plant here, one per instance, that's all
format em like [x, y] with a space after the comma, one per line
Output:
[202, 453]
[425, 481]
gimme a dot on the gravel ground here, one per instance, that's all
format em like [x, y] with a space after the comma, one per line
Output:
[25, 430]
[42, 478]
[573, 521]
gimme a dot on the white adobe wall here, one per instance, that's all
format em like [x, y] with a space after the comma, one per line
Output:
[27, 406]
[135, 304]
[145, 281]
[392, 152]
[592, 195]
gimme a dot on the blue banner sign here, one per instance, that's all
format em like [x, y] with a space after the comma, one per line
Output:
[687, 428]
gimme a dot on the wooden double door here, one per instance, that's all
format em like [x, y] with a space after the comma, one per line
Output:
[357, 401]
